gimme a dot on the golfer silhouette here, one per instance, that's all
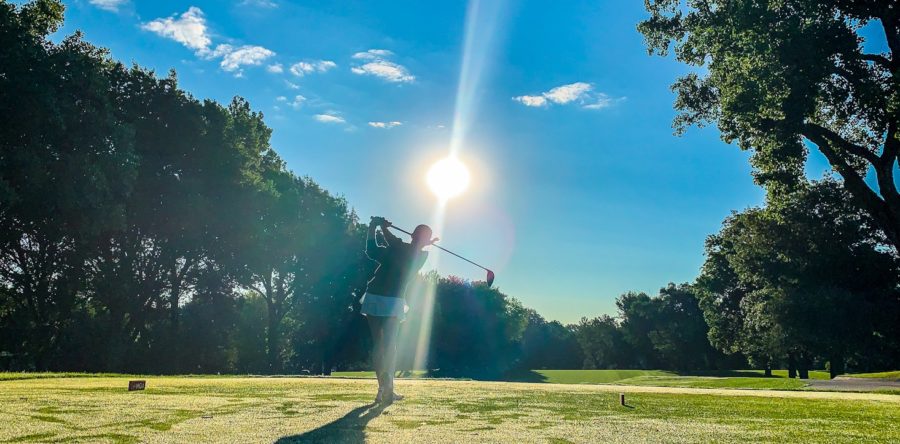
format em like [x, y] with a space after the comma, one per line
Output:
[384, 303]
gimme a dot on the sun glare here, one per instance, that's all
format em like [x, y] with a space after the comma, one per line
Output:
[448, 178]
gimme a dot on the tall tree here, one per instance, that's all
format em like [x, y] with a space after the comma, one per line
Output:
[813, 275]
[66, 161]
[602, 344]
[776, 73]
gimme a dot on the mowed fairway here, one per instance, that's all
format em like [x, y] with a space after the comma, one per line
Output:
[231, 409]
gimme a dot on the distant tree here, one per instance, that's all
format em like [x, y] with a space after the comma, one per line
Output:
[776, 73]
[813, 277]
[639, 315]
[602, 344]
[549, 345]
[679, 335]
[477, 331]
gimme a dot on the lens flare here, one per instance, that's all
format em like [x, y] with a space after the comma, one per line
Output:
[448, 178]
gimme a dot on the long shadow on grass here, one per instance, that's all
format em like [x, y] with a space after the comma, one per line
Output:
[350, 428]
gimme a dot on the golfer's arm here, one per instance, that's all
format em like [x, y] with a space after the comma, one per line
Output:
[389, 237]
[373, 251]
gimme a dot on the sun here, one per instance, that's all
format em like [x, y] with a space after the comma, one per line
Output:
[448, 178]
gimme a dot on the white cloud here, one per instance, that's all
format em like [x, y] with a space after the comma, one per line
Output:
[302, 68]
[259, 3]
[276, 68]
[291, 85]
[245, 55]
[385, 125]
[568, 93]
[389, 71]
[373, 54]
[578, 92]
[379, 67]
[531, 100]
[297, 102]
[189, 29]
[108, 5]
[329, 117]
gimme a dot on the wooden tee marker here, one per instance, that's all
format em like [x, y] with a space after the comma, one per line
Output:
[621, 399]
[136, 385]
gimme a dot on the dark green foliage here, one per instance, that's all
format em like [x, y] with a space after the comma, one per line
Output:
[666, 331]
[806, 278]
[777, 72]
[137, 217]
[477, 330]
[549, 345]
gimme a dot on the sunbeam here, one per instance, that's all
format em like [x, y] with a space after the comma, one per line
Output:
[481, 26]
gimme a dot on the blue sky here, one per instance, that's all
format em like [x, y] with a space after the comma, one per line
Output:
[574, 200]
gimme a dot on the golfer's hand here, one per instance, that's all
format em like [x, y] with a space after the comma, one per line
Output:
[376, 221]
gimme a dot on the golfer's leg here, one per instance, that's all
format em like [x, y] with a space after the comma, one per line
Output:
[376, 326]
[391, 329]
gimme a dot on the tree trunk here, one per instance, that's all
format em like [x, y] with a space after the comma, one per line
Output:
[836, 364]
[792, 366]
[803, 367]
[768, 371]
[273, 335]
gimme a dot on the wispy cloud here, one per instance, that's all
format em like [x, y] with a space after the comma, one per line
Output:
[275, 68]
[295, 103]
[268, 4]
[373, 54]
[291, 85]
[190, 30]
[581, 93]
[378, 66]
[385, 125]
[602, 100]
[300, 69]
[330, 117]
[108, 5]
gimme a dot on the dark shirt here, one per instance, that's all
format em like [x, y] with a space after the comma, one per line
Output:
[398, 263]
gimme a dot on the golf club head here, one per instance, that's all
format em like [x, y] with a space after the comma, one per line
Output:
[490, 278]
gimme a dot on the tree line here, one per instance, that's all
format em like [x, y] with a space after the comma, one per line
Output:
[147, 231]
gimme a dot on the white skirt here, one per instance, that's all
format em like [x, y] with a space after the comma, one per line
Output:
[377, 305]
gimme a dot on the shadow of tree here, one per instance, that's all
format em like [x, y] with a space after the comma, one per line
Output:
[525, 376]
[349, 428]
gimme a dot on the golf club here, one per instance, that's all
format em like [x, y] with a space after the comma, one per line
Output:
[490, 274]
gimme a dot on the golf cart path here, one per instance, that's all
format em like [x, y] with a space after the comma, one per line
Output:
[844, 383]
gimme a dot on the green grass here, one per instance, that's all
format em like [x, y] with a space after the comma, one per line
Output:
[371, 375]
[10, 376]
[717, 382]
[733, 379]
[284, 410]
[881, 375]
[595, 376]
